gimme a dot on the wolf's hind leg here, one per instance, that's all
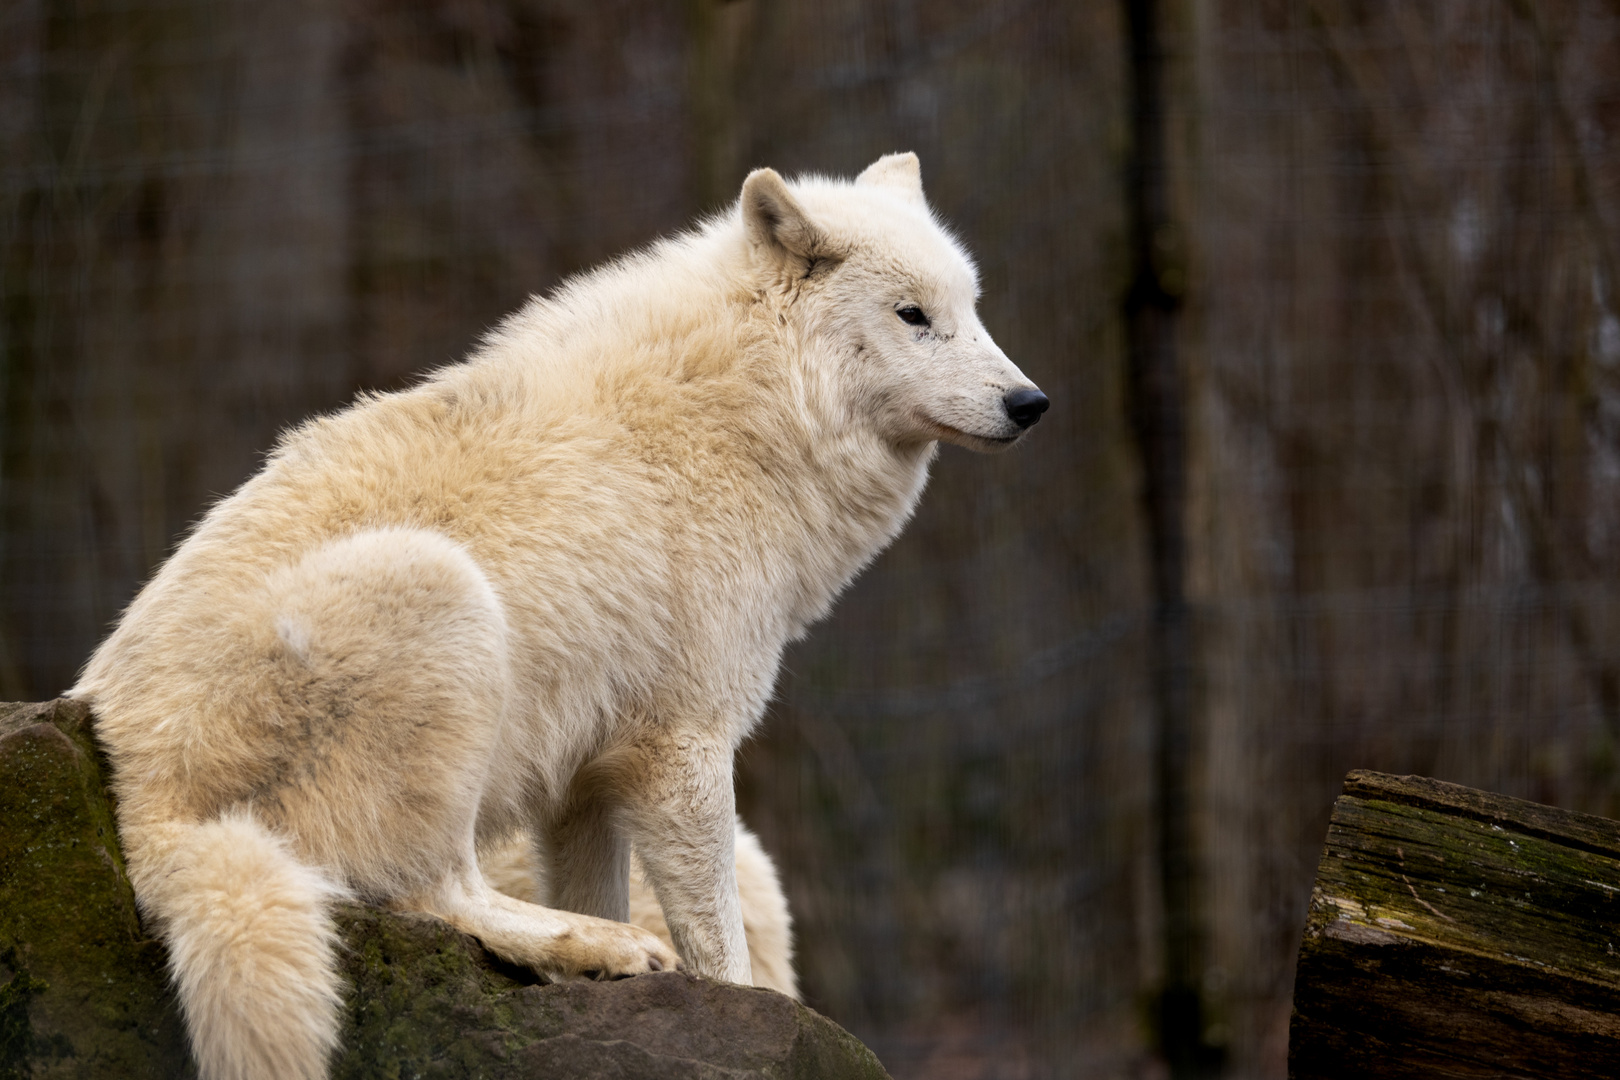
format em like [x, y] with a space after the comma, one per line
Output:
[560, 945]
[513, 867]
[393, 678]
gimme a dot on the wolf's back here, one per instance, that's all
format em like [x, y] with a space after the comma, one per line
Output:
[251, 945]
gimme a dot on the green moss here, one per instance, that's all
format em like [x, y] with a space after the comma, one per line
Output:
[1421, 872]
[823, 1049]
[426, 1000]
[1459, 932]
[97, 1000]
[84, 992]
[16, 1033]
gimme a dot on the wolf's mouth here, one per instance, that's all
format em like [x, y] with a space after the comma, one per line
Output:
[969, 439]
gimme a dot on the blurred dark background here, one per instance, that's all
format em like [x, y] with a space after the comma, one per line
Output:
[1380, 243]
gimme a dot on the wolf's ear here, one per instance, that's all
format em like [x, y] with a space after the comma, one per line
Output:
[901, 173]
[774, 219]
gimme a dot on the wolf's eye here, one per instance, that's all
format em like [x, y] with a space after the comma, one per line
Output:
[912, 314]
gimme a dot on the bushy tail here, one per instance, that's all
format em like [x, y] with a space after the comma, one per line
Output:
[251, 945]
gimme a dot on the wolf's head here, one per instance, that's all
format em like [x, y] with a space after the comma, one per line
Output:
[866, 272]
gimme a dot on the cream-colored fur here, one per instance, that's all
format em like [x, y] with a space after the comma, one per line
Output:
[547, 589]
[514, 868]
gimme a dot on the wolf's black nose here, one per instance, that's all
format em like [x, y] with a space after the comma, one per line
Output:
[1025, 406]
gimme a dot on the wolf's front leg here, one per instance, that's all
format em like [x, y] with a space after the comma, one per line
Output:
[587, 859]
[682, 820]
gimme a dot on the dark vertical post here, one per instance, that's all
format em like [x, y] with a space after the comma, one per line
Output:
[1152, 311]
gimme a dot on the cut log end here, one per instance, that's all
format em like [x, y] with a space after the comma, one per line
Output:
[1455, 932]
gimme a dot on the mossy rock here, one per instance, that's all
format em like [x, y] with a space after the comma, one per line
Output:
[84, 993]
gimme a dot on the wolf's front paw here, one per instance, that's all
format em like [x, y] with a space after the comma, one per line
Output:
[597, 949]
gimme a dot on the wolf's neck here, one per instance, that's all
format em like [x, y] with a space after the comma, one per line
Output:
[858, 494]
[739, 385]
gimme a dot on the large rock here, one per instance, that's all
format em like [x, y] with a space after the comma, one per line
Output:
[83, 992]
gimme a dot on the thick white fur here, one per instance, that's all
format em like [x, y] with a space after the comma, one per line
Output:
[547, 589]
[514, 869]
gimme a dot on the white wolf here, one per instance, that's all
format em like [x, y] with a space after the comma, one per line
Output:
[513, 868]
[546, 589]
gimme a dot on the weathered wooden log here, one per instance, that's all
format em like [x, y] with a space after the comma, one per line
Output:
[1457, 933]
